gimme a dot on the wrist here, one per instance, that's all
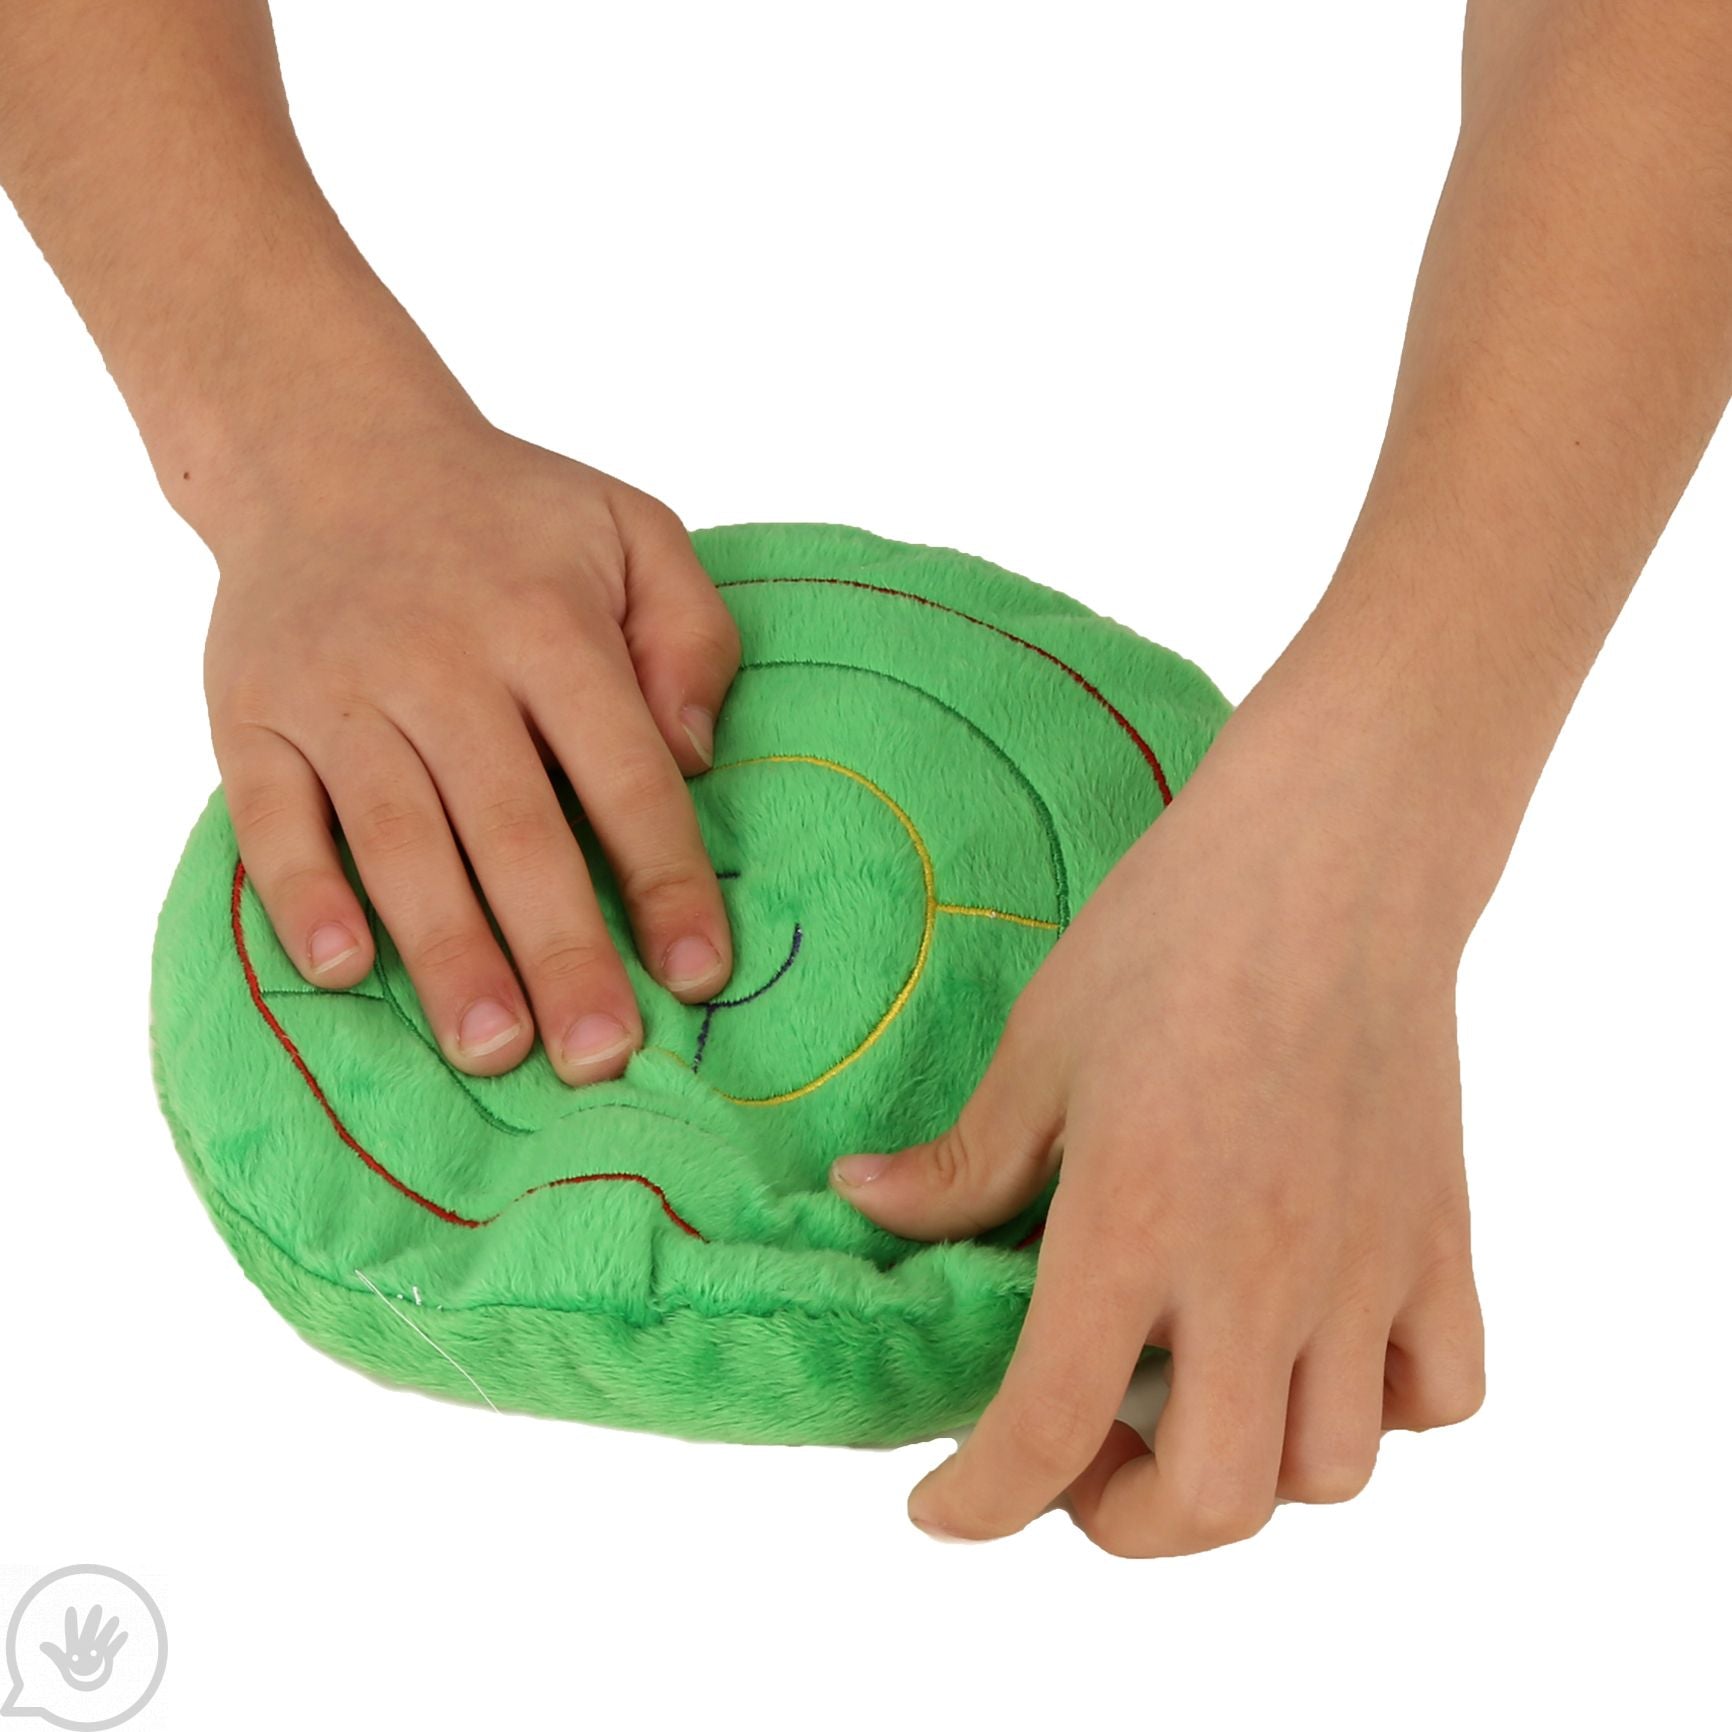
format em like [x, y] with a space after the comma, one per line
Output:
[1405, 743]
[286, 376]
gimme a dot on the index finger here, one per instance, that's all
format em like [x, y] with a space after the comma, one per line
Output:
[1088, 1320]
[594, 718]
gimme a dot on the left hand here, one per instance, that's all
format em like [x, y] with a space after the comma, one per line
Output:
[1243, 1052]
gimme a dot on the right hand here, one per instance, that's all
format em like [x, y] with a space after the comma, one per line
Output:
[400, 639]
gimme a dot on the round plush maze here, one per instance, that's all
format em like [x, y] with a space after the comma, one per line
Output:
[923, 768]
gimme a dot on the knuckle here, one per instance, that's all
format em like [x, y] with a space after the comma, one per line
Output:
[515, 827]
[949, 1161]
[1052, 1439]
[432, 649]
[442, 950]
[544, 610]
[659, 889]
[1126, 1230]
[649, 511]
[261, 814]
[1325, 1481]
[643, 782]
[237, 695]
[1223, 1516]
[543, 637]
[713, 638]
[302, 882]
[1448, 1361]
[1124, 1543]
[392, 827]
[1451, 1400]
[568, 956]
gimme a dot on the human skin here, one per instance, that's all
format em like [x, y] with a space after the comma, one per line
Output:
[416, 612]
[1243, 1046]
[1240, 1057]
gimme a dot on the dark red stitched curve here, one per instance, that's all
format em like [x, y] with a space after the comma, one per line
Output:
[447, 1215]
[1093, 690]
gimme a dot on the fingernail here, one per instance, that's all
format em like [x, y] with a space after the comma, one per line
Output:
[700, 727]
[852, 1170]
[689, 962]
[933, 1531]
[485, 1027]
[595, 1036]
[329, 945]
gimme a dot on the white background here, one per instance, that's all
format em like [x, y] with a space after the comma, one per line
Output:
[1109, 294]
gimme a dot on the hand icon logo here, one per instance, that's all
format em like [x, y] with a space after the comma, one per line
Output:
[76, 1670]
[87, 1660]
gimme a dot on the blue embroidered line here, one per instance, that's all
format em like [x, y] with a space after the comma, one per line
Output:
[715, 1004]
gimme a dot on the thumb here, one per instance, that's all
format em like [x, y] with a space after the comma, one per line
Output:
[992, 1162]
[682, 640]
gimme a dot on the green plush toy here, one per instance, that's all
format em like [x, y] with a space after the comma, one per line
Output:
[923, 768]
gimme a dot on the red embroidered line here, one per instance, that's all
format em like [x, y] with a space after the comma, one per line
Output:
[447, 1215]
[1093, 690]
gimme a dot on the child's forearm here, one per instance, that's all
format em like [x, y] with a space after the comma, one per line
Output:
[148, 148]
[1240, 1057]
[1568, 355]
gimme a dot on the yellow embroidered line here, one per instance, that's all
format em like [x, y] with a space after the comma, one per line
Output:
[997, 914]
[929, 919]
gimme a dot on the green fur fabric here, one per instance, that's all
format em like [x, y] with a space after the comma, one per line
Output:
[923, 768]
